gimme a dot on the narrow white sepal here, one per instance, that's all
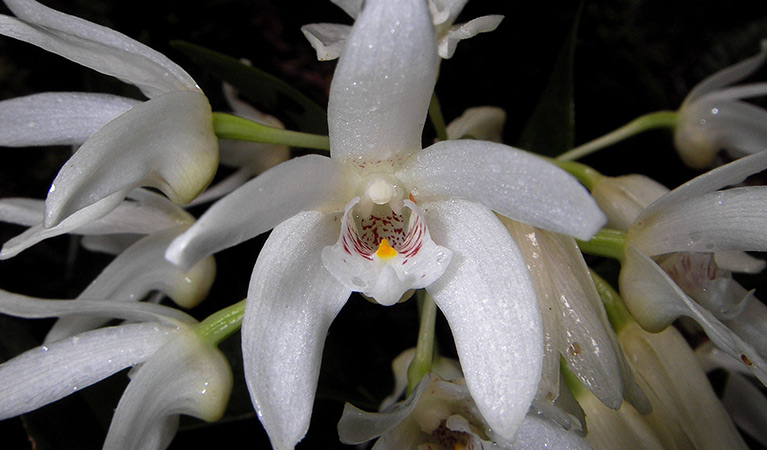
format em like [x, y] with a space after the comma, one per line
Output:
[327, 39]
[292, 301]
[490, 304]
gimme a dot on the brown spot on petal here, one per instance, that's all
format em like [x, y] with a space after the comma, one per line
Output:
[574, 349]
[746, 361]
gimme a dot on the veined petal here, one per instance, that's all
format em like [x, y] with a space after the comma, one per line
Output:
[131, 276]
[327, 39]
[514, 183]
[49, 373]
[185, 376]
[489, 301]
[57, 118]
[292, 300]
[387, 273]
[95, 46]
[383, 84]
[681, 392]
[167, 143]
[723, 176]
[143, 213]
[733, 219]
[448, 42]
[727, 76]
[301, 184]
[655, 301]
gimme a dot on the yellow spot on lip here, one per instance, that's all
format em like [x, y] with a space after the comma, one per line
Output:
[385, 251]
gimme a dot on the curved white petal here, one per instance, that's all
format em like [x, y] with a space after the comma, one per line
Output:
[141, 269]
[538, 432]
[35, 308]
[489, 301]
[739, 262]
[681, 393]
[655, 301]
[301, 184]
[383, 84]
[727, 76]
[386, 277]
[450, 40]
[747, 405]
[624, 198]
[709, 126]
[95, 46]
[57, 118]
[727, 175]
[143, 213]
[292, 300]
[484, 123]
[514, 183]
[185, 376]
[167, 143]
[569, 299]
[733, 219]
[327, 39]
[49, 373]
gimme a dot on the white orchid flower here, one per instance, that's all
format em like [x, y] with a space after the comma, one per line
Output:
[686, 412]
[698, 217]
[713, 117]
[382, 217]
[575, 323]
[175, 371]
[328, 39]
[166, 142]
[441, 413]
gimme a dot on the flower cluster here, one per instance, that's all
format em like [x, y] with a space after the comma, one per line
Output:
[580, 310]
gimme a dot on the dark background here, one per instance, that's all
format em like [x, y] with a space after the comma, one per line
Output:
[631, 58]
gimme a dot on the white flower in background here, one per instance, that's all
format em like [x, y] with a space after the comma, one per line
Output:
[699, 218]
[175, 370]
[329, 39]
[166, 142]
[714, 118]
[484, 123]
[686, 412]
[440, 413]
[382, 217]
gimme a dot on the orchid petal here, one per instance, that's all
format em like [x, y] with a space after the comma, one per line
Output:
[723, 176]
[145, 213]
[223, 187]
[710, 125]
[727, 76]
[449, 41]
[566, 291]
[264, 202]
[681, 392]
[739, 262]
[46, 374]
[539, 432]
[732, 219]
[60, 118]
[446, 368]
[185, 376]
[383, 84]
[484, 123]
[327, 39]
[489, 301]
[292, 300]
[747, 406]
[176, 151]
[624, 429]
[655, 301]
[350, 7]
[417, 264]
[95, 46]
[136, 272]
[624, 198]
[514, 183]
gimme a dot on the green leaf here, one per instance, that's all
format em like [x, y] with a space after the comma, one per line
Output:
[550, 129]
[267, 92]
